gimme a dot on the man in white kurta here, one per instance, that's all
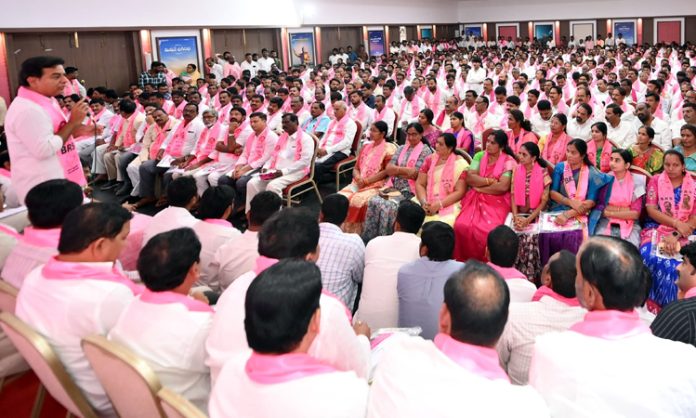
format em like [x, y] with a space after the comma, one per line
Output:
[619, 131]
[80, 283]
[384, 256]
[281, 377]
[289, 162]
[172, 339]
[458, 372]
[291, 233]
[663, 134]
[335, 145]
[610, 364]
[182, 199]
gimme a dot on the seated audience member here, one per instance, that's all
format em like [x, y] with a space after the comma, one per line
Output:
[554, 144]
[335, 145]
[289, 162]
[502, 249]
[258, 149]
[687, 146]
[172, 338]
[460, 366]
[342, 255]
[554, 307]
[214, 230]
[291, 233]
[8, 195]
[420, 283]
[598, 148]
[239, 254]
[384, 256]
[282, 321]
[182, 197]
[430, 131]
[47, 205]
[677, 321]
[593, 368]
[647, 155]
[369, 174]
[79, 293]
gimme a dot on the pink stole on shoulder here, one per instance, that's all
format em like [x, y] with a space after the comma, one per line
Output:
[556, 151]
[262, 263]
[371, 164]
[159, 139]
[414, 107]
[280, 145]
[255, 146]
[621, 196]
[410, 163]
[47, 238]
[447, 181]
[547, 291]
[175, 148]
[336, 130]
[464, 138]
[268, 369]
[128, 136]
[573, 190]
[536, 186]
[432, 100]
[207, 141]
[516, 142]
[67, 155]
[5, 173]
[482, 361]
[64, 270]
[603, 159]
[167, 297]
[611, 324]
[499, 165]
[666, 202]
[361, 112]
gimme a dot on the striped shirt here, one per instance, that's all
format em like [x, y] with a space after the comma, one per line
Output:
[341, 261]
[677, 322]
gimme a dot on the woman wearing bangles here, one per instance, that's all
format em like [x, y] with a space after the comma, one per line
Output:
[670, 206]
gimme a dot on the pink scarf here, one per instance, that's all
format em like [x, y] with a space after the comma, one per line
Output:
[621, 196]
[412, 160]
[516, 142]
[67, 155]
[690, 293]
[447, 181]
[267, 369]
[414, 108]
[175, 148]
[167, 297]
[361, 114]
[499, 165]
[179, 111]
[611, 325]
[536, 186]
[224, 113]
[159, 139]
[47, 238]
[280, 145]
[380, 115]
[218, 222]
[547, 291]
[574, 191]
[65, 270]
[555, 151]
[482, 361]
[207, 141]
[255, 146]
[604, 159]
[464, 138]
[666, 202]
[128, 136]
[336, 130]
[441, 118]
[262, 263]
[480, 124]
[432, 100]
[5, 173]
[371, 158]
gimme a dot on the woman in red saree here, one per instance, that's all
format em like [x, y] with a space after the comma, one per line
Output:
[487, 204]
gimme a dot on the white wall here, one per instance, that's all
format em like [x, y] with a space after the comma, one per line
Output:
[145, 14]
[477, 11]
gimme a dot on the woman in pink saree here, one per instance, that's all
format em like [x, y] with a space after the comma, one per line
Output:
[487, 204]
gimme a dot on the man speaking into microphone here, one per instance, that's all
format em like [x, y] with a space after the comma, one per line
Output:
[39, 135]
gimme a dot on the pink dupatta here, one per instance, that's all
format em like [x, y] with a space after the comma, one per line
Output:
[412, 160]
[666, 201]
[175, 148]
[536, 186]
[372, 164]
[280, 145]
[64, 270]
[621, 196]
[268, 369]
[555, 152]
[547, 291]
[604, 158]
[336, 129]
[255, 146]
[447, 181]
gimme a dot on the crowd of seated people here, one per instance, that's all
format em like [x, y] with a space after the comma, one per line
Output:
[517, 205]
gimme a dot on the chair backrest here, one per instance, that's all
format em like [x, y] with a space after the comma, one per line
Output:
[641, 171]
[176, 406]
[614, 145]
[8, 297]
[128, 380]
[465, 155]
[356, 139]
[314, 156]
[45, 363]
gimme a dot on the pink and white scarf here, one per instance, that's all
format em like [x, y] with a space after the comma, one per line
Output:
[621, 196]
[446, 184]
[536, 186]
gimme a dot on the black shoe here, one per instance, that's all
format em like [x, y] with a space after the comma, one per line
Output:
[111, 184]
[124, 190]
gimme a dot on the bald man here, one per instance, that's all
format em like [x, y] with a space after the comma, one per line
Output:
[336, 143]
[460, 365]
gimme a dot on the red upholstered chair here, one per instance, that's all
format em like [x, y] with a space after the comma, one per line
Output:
[299, 187]
[348, 163]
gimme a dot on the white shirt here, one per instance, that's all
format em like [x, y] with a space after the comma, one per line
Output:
[623, 135]
[227, 157]
[526, 321]
[32, 145]
[251, 66]
[336, 343]
[265, 64]
[406, 109]
[168, 219]
[415, 379]
[333, 394]
[218, 71]
[576, 130]
[274, 122]
[235, 258]
[212, 236]
[193, 132]
[341, 261]
[26, 256]
[384, 256]
[172, 341]
[663, 134]
[286, 157]
[475, 79]
[52, 307]
[389, 118]
[334, 145]
[584, 376]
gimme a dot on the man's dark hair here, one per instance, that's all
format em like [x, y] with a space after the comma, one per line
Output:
[503, 244]
[543, 105]
[334, 209]
[166, 259]
[259, 115]
[49, 202]
[33, 67]
[438, 238]
[279, 306]
[616, 269]
[127, 106]
[215, 201]
[410, 216]
[181, 191]
[87, 223]
[290, 233]
[478, 300]
[563, 272]
[263, 206]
